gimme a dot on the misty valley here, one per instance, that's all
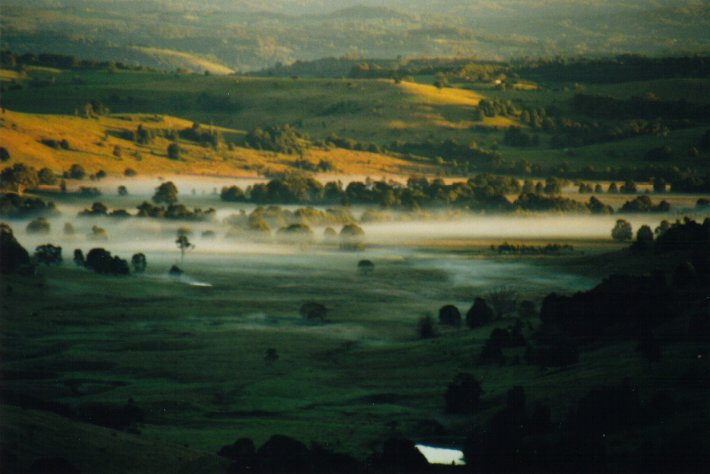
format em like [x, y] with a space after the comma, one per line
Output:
[343, 340]
[354, 236]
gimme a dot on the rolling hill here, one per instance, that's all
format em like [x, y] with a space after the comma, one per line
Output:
[249, 35]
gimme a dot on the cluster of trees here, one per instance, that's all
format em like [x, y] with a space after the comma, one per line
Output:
[205, 137]
[484, 191]
[11, 60]
[628, 306]
[644, 204]
[481, 191]
[523, 437]
[549, 249]
[284, 454]
[280, 139]
[622, 68]
[263, 219]
[647, 106]
[13, 205]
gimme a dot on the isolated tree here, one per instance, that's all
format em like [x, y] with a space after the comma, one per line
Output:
[463, 394]
[479, 314]
[312, 311]
[352, 237]
[48, 254]
[4, 154]
[365, 267]
[622, 231]
[166, 192]
[174, 151]
[122, 191]
[79, 259]
[69, 228]
[184, 245]
[139, 263]
[450, 315]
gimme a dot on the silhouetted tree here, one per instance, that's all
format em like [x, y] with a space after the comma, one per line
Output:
[183, 243]
[242, 452]
[463, 394]
[622, 231]
[139, 263]
[100, 261]
[479, 314]
[644, 239]
[79, 259]
[450, 315]
[48, 254]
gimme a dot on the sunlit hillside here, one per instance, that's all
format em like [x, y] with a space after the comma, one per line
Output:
[101, 143]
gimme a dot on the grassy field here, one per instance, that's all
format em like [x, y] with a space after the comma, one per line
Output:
[93, 148]
[371, 111]
[190, 351]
